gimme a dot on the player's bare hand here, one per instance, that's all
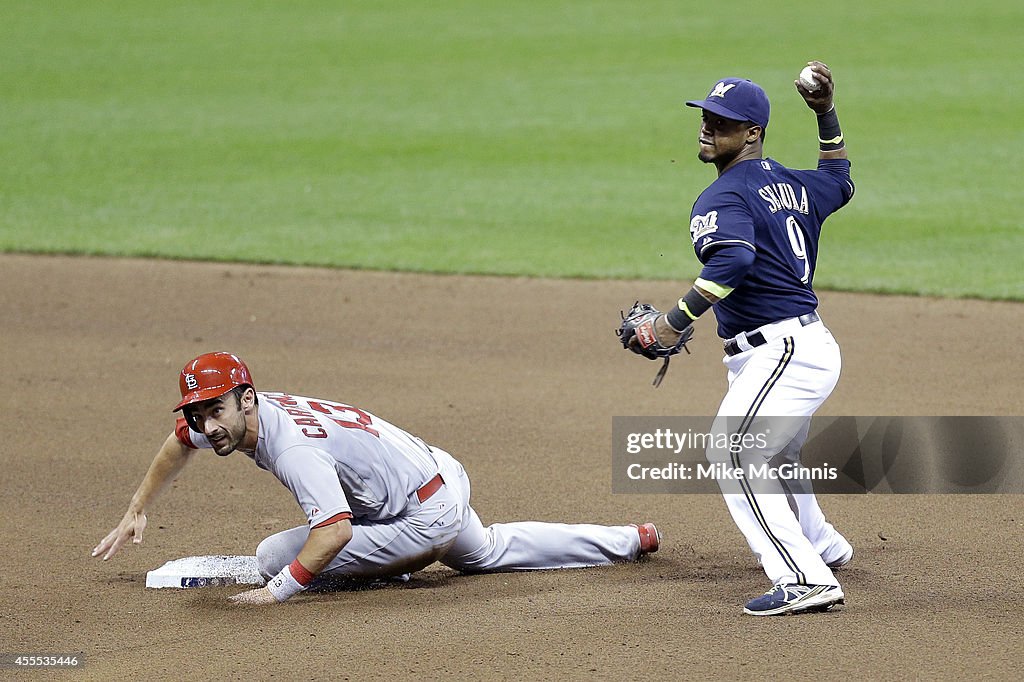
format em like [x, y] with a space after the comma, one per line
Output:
[132, 525]
[261, 596]
[666, 335]
[819, 100]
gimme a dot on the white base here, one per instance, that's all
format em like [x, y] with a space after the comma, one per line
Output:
[206, 571]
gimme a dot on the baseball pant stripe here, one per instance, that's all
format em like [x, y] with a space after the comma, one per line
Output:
[762, 395]
[748, 421]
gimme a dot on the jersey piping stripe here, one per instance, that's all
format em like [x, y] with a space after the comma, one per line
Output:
[340, 516]
[729, 241]
[748, 420]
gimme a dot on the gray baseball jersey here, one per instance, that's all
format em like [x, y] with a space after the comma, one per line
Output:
[337, 460]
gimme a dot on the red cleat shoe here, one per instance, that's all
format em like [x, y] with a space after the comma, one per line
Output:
[650, 538]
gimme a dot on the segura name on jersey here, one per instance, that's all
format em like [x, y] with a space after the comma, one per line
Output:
[781, 195]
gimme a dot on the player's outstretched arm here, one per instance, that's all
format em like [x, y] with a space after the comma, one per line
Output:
[822, 102]
[166, 466]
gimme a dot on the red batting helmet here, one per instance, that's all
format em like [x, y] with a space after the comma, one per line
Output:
[211, 375]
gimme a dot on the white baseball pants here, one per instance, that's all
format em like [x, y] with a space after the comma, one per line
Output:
[445, 528]
[789, 376]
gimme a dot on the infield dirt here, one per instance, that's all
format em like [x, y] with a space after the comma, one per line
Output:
[519, 379]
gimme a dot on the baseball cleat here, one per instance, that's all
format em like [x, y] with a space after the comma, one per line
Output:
[792, 598]
[650, 538]
[842, 561]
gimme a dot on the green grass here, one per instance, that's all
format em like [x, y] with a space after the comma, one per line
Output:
[533, 138]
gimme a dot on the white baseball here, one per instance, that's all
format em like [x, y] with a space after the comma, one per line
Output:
[809, 80]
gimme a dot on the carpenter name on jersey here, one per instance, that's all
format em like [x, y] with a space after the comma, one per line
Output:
[337, 460]
[777, 213]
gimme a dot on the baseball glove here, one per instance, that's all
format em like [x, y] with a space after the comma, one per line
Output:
[638, 323]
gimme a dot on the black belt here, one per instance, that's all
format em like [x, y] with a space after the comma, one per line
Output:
[757, 338]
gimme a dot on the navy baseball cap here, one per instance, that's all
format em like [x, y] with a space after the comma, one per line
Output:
[738, 99]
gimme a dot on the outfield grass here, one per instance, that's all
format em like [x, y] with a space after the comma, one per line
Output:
[533, 138]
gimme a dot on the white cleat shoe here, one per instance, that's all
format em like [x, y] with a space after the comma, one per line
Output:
[841, 561]
[793, 598]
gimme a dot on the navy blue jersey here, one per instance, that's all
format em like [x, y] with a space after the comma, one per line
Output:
[777, 213]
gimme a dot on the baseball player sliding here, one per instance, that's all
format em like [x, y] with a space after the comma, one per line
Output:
[379, 502]
[755, 229]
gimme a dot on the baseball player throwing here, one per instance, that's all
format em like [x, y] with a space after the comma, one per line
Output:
[379, 502]
[755, 229]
